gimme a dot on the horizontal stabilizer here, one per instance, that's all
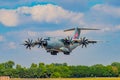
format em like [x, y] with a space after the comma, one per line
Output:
[80, 29]
[69, 29]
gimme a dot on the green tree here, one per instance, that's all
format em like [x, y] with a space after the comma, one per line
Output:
[97, 70]
[9, 64]
[117, 65]
[56, 75]
[80, 71]
[41, 71]
[33, 65]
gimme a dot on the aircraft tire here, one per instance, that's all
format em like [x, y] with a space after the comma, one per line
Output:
[67, 53]
[53, 53]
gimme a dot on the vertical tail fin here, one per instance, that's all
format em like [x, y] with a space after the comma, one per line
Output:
[78, 31]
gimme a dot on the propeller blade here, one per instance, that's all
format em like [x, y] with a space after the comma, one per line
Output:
[84, 39]
[40, 39]
[84, 42]
[26, 41]
[68, 37]
[86, 45]
[29, 47]
[39, 46]
[31, 41]
[82, 46]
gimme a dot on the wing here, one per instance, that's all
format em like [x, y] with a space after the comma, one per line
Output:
[92, 41]
[84, 42]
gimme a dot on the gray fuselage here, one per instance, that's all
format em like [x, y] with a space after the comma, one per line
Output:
[54, 44]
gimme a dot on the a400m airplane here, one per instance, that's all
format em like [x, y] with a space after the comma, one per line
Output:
[65, 45]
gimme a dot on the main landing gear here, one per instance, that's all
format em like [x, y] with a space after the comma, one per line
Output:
[54, 53]
[67, 53]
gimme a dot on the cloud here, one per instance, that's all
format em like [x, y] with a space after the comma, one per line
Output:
[58, 33]
[32, 33]
[111, 29]
[103, 16]
[39, 13]
[107, 9]
[1, 38]
[24, 35]
[113, 2]
[8, 17]
[50, 13]
[8, 46]
[11, 45]
[118, 27]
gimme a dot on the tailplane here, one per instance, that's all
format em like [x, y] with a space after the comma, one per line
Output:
[78, 31]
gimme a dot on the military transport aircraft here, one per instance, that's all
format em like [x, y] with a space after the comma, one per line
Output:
[65, 45]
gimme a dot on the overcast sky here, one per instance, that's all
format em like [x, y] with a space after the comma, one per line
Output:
[23, 19]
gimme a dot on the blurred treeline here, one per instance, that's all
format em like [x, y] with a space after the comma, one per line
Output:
[56, 70]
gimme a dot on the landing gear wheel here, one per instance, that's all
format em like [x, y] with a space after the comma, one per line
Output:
[54, 53]
[67, 53]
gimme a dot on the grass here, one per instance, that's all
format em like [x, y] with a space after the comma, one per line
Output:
[65, 79]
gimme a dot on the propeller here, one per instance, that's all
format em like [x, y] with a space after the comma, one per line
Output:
[68, 40]
[28, 43]
[40, 42]
[84, 42]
